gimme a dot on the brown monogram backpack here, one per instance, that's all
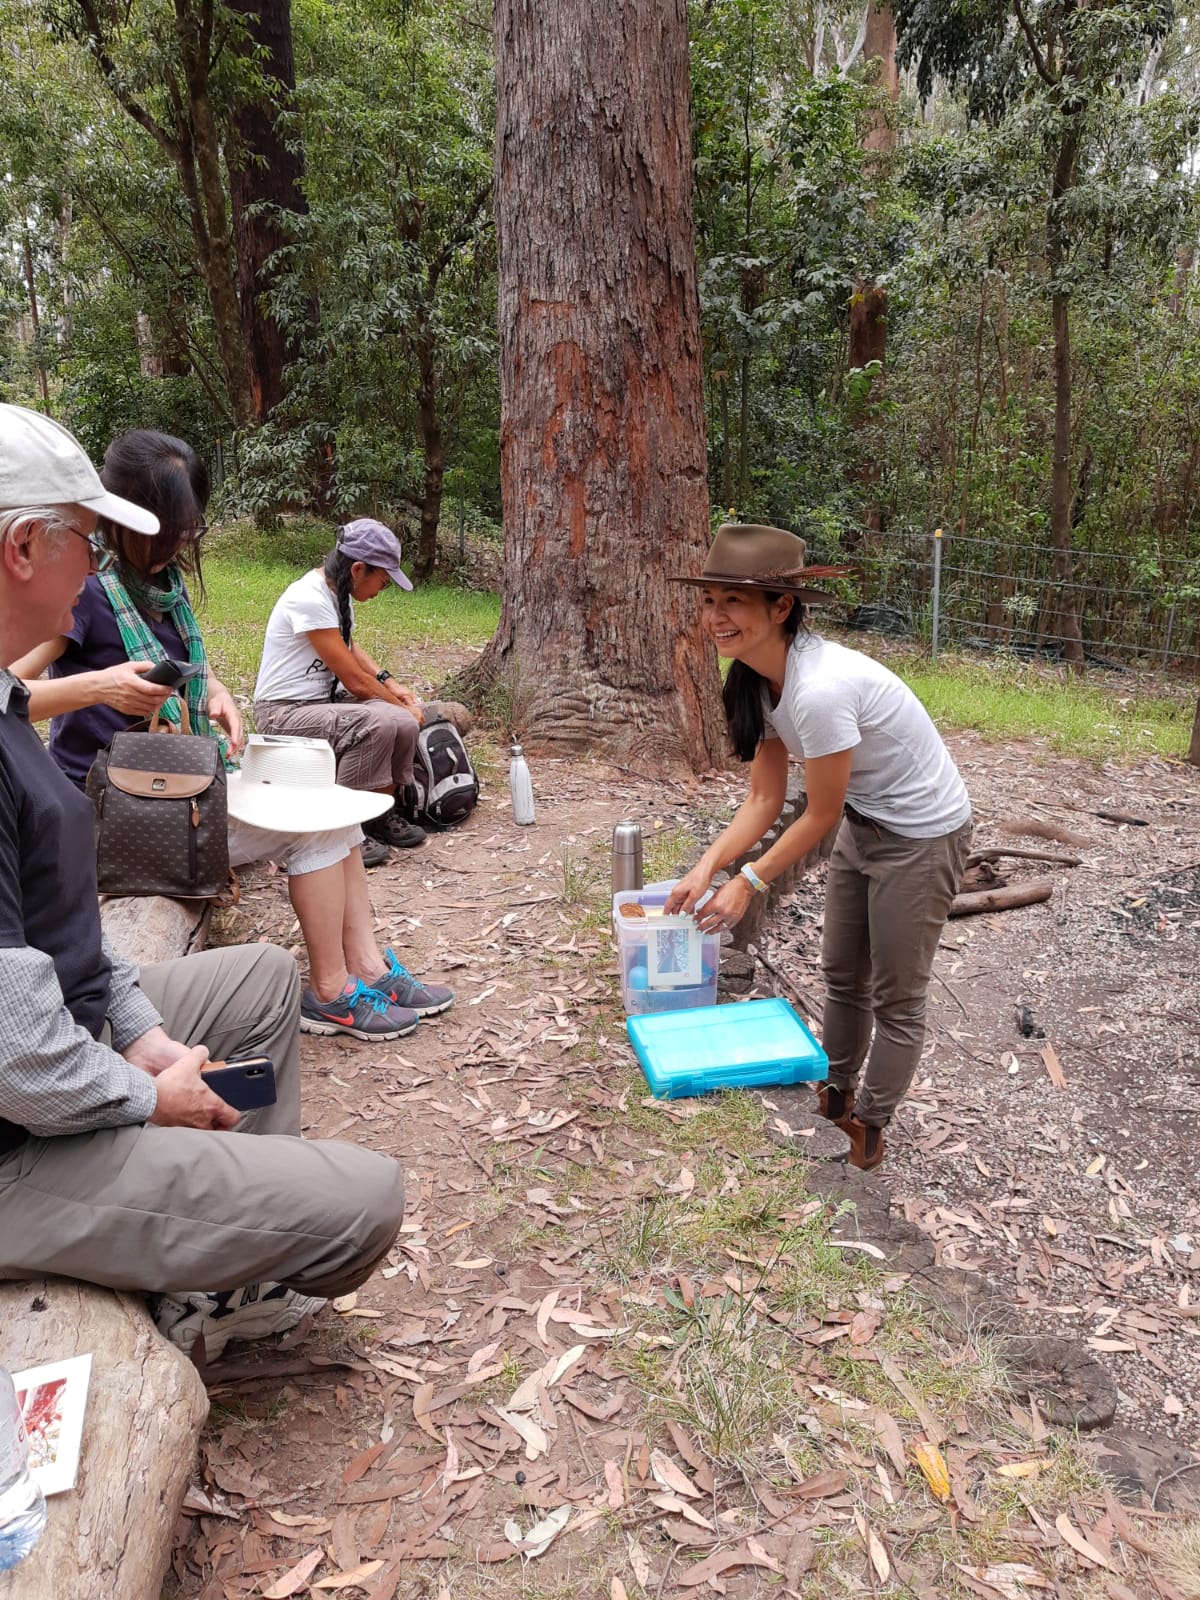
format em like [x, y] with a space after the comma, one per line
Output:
[162, 826]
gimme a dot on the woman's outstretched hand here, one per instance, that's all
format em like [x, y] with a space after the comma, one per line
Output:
[726, 907]
[687, 891]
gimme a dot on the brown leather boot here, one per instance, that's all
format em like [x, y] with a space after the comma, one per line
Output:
[866, 1144]
[835, 1104]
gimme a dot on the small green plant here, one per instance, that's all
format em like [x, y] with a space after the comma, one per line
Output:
[581, 882]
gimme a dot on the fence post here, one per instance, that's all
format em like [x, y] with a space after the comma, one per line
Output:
[937, 590]
[1170, 631]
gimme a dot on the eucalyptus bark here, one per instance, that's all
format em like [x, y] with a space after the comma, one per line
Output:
[602, 406]
[266, 174]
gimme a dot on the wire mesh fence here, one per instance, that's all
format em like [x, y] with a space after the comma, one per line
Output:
[991, 595]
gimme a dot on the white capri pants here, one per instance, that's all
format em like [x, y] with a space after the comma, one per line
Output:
[298, 853]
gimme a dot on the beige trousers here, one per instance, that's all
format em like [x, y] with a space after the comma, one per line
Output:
[180, 1209]
[886, 902]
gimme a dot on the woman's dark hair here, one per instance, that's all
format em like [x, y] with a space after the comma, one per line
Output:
[166, 476]
[743, 692]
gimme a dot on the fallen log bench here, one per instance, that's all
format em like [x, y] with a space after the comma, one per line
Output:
[111, 1535]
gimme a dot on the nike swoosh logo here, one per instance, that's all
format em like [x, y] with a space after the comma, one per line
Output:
[348, 1019]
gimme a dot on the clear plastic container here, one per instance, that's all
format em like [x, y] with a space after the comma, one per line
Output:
[642, 993]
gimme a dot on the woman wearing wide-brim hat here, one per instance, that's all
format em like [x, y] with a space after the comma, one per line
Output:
[873, 758]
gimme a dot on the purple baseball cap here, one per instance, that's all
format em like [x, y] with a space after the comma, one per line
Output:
[369, 541]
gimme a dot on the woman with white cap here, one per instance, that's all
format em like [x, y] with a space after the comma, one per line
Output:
[315, 679]
[139, 613]
[875, 768]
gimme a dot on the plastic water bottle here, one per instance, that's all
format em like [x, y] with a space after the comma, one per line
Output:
[520, 786]
[22, 1504]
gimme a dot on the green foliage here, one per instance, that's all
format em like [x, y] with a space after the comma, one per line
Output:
[395, 253]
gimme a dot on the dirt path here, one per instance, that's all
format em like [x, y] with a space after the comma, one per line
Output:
[577, 1321]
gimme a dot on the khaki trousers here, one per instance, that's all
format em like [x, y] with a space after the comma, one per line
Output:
[180, 1209]
[886, 902]
[374, 740]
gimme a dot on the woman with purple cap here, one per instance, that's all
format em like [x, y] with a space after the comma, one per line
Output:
[138, 613]
[317, 681]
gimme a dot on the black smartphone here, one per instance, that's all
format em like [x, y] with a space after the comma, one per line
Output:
[173, 674]
[244, 1085]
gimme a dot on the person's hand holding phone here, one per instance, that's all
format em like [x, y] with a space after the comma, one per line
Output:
[124, 687]
[186, 1101]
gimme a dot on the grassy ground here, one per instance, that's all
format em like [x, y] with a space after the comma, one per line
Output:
[1006, 700]
[246, 571]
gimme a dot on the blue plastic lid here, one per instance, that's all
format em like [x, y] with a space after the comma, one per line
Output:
[725, 1047]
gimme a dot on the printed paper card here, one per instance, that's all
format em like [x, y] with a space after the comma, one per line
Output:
[52, 1400]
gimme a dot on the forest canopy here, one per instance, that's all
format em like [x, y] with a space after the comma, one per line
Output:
[946, 258]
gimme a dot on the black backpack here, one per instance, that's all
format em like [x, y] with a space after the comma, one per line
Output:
[445, 787]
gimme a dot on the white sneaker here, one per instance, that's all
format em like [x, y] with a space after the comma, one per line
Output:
[250, 1313]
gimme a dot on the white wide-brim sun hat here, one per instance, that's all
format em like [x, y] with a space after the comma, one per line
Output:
[290, 785]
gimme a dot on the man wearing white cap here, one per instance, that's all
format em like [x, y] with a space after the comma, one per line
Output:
[117, 1164]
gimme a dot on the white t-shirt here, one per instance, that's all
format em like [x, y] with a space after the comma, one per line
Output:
[901, 774]
[290, 668]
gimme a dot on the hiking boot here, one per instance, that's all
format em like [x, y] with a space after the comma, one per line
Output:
[866, 1144]
[402, 989]
[361, 1012]
[254, 1312]
[835, 1104]
[392, 829]
[374, 853]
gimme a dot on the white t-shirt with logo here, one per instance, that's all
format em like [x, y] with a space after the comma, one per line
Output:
[901, 774]
[290, 668]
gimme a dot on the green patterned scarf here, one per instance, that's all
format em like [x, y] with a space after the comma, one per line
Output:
[130, 600]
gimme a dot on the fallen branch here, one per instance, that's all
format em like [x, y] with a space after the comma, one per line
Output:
[1032, 828]
[1016, 853]
[1017, 894]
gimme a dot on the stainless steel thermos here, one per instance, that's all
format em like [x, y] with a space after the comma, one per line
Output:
[520, 786]
[626, 857]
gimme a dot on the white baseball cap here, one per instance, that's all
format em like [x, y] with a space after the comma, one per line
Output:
[41, 464]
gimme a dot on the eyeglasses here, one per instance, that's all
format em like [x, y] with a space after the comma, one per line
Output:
[101, 558]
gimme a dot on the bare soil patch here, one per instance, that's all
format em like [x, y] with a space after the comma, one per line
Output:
[552, 1210]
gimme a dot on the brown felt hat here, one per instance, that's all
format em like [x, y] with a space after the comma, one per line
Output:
[746, 555]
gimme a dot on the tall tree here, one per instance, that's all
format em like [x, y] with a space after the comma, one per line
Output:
[266, 173]
[162, 75]
[1062, 61]
[602, 410]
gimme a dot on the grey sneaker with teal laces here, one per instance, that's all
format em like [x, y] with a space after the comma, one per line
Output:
[402, 989]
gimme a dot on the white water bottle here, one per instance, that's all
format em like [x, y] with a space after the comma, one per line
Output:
[22, 1504]
[520, 786]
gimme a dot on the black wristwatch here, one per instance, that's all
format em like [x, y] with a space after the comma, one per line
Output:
[383, 676]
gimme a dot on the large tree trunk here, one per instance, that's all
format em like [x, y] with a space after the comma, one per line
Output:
[602, 407]
[264, 169]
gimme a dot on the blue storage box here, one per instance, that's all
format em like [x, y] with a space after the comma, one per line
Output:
[737, 1046]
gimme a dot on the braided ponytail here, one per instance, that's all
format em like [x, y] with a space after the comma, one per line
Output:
[338, 574]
